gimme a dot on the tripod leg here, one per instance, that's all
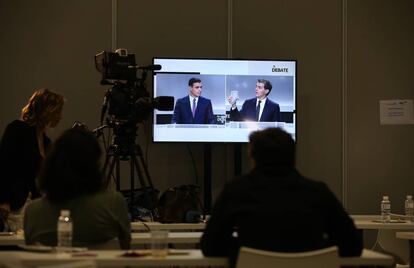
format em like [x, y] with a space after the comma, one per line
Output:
[140, 175]
[118, 173]
[107, 161]
[144, 165]
[148, 198]
[132, 178]
[108, 168]
[111, 162]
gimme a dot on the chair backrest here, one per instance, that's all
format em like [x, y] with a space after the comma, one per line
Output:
[322, 258]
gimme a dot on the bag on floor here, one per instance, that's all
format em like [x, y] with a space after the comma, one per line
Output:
[180, 204]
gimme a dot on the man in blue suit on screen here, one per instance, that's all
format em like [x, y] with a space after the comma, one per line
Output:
[259, 109]
[193, 109]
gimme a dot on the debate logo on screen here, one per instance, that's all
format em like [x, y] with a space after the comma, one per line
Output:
[279, 70]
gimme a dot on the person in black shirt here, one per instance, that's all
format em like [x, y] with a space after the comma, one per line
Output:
[23, 147]
[275, 208]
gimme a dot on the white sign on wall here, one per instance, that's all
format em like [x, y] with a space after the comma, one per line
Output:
[396, 112]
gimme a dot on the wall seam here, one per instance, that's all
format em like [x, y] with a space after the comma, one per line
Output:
[344, 93]
[229, 29]
[114, 18]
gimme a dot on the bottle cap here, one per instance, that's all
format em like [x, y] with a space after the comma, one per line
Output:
[65, 213]
[409, 197]
[385, 197]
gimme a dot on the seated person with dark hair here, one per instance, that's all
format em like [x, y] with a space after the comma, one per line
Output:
[275, 208]
[71, 179]
[193, 109]
[258, 109]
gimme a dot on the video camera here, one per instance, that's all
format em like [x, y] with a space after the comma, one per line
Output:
[128, 101]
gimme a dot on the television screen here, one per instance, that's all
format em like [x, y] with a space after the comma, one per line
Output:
[220, 100]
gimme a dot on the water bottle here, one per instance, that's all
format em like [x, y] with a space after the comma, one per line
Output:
[385, 209]
[409, 208]
[64, 229]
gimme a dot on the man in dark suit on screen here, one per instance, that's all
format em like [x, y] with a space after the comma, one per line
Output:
[193, 109]
[259, 109]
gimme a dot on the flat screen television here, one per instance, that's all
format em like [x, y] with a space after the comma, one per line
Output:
[221, 78]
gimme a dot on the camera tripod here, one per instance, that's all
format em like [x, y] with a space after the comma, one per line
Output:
[131, 152]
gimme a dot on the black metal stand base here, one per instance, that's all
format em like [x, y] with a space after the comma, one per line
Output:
[133, 154]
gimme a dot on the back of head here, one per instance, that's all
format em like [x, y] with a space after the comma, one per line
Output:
[43, 106]
[72, 167]
[272, 147]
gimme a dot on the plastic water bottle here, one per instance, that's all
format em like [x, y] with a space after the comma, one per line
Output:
[409, 208]
[64, 229]
[385, 209]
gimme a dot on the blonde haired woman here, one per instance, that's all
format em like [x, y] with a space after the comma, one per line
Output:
[23, 147]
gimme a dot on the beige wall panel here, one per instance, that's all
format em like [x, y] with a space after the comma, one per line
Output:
[380, 43]
[310, 32]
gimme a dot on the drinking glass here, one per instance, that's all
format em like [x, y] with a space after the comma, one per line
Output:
[159, 245]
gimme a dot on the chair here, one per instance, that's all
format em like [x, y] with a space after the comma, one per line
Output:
[389, 244]
[322, 258]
